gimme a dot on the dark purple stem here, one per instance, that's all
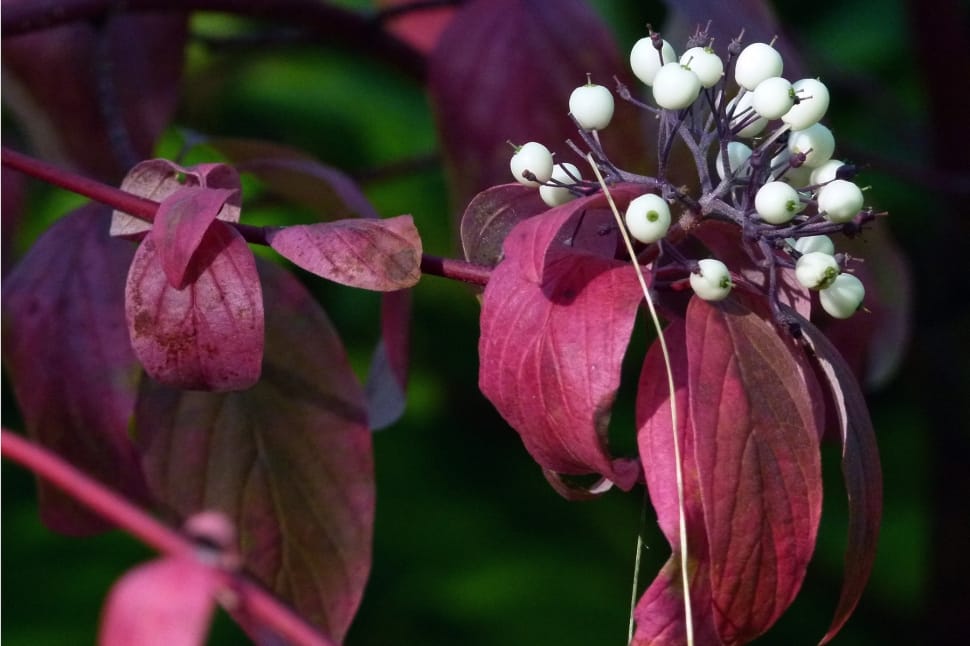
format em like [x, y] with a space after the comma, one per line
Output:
[258, 603]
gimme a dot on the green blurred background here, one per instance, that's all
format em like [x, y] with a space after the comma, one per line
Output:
[472, 546]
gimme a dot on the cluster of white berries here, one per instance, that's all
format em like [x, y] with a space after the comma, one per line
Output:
[789, 192]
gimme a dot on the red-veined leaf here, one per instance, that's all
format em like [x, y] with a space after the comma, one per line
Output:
[383, 255]
[756, 421]
[92, 93]
[180, 224]
[67, 353]
[490, 216]
[503, 71]
[289, 460]
[167, 602]
[157, 179]
[556, 320]
[860, 468]
[209, 335]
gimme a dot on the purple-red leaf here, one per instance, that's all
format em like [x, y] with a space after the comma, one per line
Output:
[158, 179]
[387, 378]
[860, 468]
[93, 94]
[298, 177]
[382, 255]
[504, 69]
[490, 216]
[756, 425]
[289, 460]
[167, 602]
[209, 335]
[67, 353]
[555, 323]
[180, 224]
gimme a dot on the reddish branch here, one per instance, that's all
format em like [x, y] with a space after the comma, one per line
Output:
[259, 604]
[145, 209]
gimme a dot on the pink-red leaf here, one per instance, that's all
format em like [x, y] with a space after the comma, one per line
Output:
[67, 353]
[504, 69]
[93, 93]
[180, 224]
[860, 468]
[387, 378]
[491, 215]
[555, 323]
[158, 179]
[289, 460]
[209, 335]
[420, 28]
[382, 255]
[167, 602]
[756, 424]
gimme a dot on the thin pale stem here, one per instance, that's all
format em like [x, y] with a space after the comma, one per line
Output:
[682, 516]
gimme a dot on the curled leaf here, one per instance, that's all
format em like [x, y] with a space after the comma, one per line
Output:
[490, 216]
[209, 335]
[382, 255]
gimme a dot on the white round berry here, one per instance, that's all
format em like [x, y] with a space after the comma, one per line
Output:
[757, 62]
[566, 173]
[797, 176]
[712, 281]
[705, 63]
[532, 157]
[777, 202]
[816, 141]
[675, 87]
[840, 200]
[592, 106]
[843, 297]
[773, 97]
[808, 244]
[645, 61]
[813, 102]
[738, 154]
[826, 172]
[742, 109]
[648, 218]
[816, 270]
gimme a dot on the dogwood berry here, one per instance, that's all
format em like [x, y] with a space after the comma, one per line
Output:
[843, 297]
[797, 176]
[808, 244]
[648, 218]
[816, 141]
[592, 106]
[675, 87]
[840, 200]
[777, 202]
[738, 154]
[532, 157]
[757, 62]
[555, 195]
[826, 172]
[646, 62]
[705, 63]
[712, 281]
[773, 97]
[812, 101]
[816, 270]
[742, 109]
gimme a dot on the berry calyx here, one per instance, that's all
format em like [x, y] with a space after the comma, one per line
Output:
[712, 281]
[592, 106]
[648, 218]
[532, 157]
